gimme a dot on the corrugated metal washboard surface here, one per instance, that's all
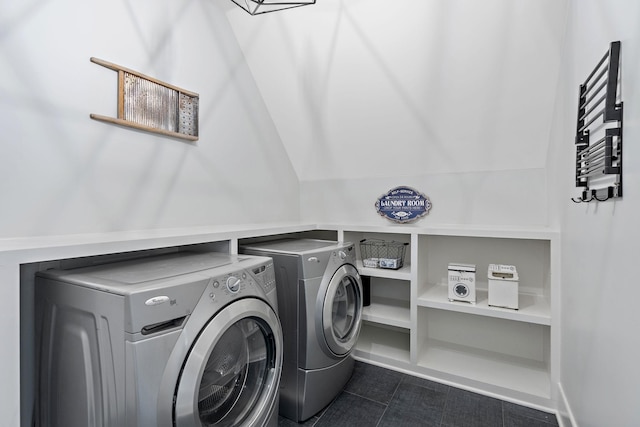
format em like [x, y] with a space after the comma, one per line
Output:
[149, 104]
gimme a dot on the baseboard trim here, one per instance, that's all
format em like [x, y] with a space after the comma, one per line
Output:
[565, 415]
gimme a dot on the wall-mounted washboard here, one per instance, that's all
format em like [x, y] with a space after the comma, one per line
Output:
[599, 131]
[148, 104]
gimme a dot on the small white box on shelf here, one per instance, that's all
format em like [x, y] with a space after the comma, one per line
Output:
[462, 282]
[371, 262]
[503, 286]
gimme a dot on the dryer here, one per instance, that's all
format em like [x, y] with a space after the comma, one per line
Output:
[320, 309]
[186, 339]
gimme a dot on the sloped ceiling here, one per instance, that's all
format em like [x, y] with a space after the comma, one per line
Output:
[362, 88]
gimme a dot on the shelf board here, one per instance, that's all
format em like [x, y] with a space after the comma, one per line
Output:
[514, 373]
[382, 343]
[532, 308]
[388, 312]
[403, 273]
[464, 230]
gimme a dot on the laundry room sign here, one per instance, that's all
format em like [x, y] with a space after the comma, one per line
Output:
[403, 204]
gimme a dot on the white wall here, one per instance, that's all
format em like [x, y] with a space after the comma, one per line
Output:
[600, 346]
[453, 97]
[64, 173]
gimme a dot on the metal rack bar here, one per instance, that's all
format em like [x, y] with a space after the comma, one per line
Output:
[595, 147]
[598, 90]
[593, 119]
[613, 111]
[593, 106]
[602, 61]
[602, 74]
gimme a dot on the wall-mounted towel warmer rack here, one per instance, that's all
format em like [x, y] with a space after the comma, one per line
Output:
[599, 131]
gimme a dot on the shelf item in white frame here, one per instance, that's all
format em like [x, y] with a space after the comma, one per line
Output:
[533, 308]
[370, 240]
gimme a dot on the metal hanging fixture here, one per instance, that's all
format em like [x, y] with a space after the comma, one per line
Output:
[255, 7]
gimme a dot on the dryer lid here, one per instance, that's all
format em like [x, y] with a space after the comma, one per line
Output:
[290, 245]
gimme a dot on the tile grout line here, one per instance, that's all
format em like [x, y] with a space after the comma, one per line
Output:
[444, 408]
[324, 410]
[365, 397]
[386, 407]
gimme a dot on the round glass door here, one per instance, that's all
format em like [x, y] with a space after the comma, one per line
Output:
[342, 310]
[232, 374]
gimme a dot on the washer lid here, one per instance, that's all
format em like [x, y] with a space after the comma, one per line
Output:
[161, 290]
[123, 274]
[147, 270]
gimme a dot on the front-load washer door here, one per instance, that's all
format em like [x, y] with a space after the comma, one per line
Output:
[232, 372]
[342, 310]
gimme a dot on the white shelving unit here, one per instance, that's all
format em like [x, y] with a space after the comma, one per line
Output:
[412, 326]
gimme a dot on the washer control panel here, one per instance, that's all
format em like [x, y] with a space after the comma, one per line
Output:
[229, 287]
[232, 284]
[246, 281]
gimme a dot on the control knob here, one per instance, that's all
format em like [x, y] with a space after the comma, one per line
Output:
[233, 284]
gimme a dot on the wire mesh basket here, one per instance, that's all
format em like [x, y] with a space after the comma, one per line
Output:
[378, 253]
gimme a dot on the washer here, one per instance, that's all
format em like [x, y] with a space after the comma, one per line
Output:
[320, 308]
[186, 339]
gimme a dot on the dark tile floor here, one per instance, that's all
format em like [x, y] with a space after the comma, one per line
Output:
[378, 397]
